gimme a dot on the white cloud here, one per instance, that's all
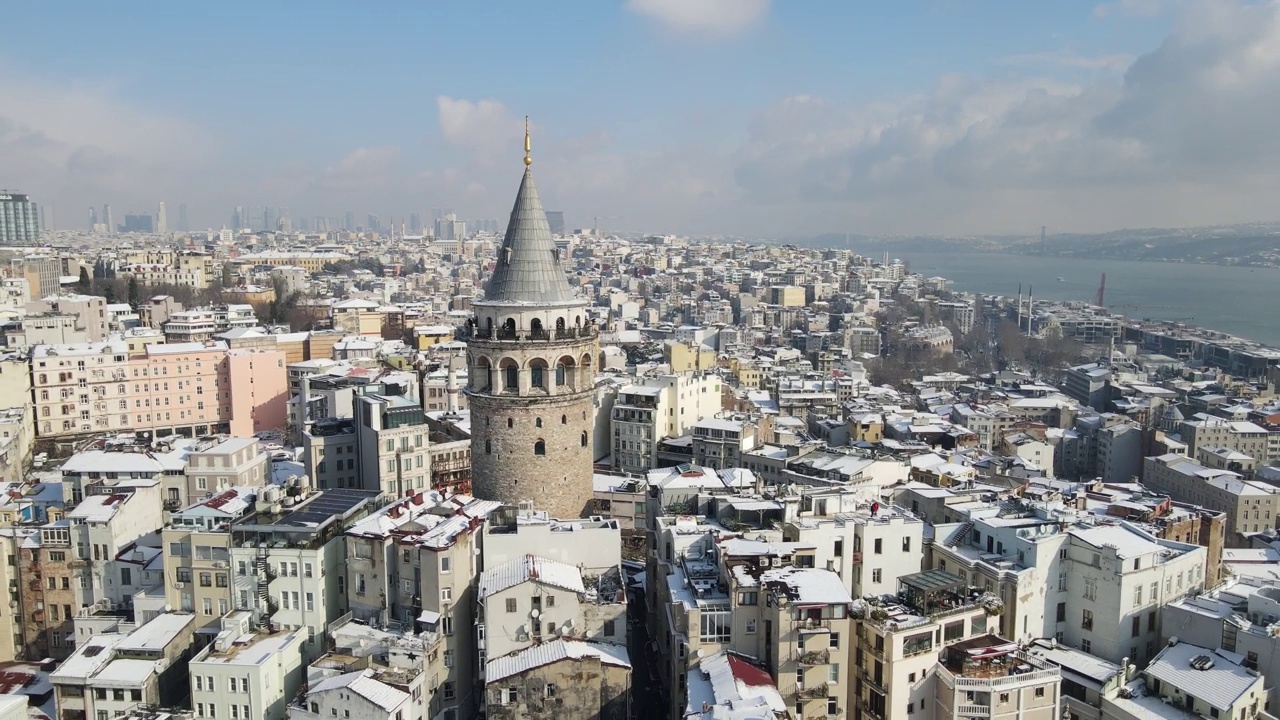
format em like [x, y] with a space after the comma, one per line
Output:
[1071, 60]
[1132, 8]
[702, 17]
[476, 124]
[83, 144]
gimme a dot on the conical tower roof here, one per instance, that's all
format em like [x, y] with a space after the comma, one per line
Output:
[528, 268]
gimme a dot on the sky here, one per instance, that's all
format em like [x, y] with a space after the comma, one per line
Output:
[757, 118]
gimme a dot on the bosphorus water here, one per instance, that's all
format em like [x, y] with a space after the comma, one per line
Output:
[1238, 300]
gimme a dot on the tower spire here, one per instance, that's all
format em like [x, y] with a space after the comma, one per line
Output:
[528, 160]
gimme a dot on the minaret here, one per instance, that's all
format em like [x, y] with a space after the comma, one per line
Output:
[531, 357]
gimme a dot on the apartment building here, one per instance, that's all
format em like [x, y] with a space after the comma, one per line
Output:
[1099, 588]
[1250, 506]
[1239, 435]
[657, 407]
[112, 674]
[562, 679]
[111, 519]
[288, 557]
[868, 547]
[213, 466]
[529, 600]
[370, 672]
[183, 388]
[247, 673]
[392, 440]
[411, 565]
[721, 443]
[899, 637]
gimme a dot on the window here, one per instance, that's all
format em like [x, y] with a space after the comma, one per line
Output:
[511, 605]
[539, 448]
[1151, 621]
[1135, 628]
[448, 658]
[584, 438]
[446, 594]
[833, 673]
[1062, 582]
[206, 579]
[1004, 698]
[1090, 589]
[876, 574]
[1062, 612]
[1086, 645]
[715, 625]
[906, 544]
[608, 627]
[311, 602]
[833, 641]
[1086, 620]
[833, 705]
[747, 598]
[878, 546]
[751, 626]
[1137, 595]
[1040, 692]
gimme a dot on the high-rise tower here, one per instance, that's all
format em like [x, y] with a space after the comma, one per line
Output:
[532, 352]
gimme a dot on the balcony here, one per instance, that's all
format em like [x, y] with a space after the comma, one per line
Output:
[810, 624]
[172, 505]
[810, 692]
[814, 657]
[973, 711]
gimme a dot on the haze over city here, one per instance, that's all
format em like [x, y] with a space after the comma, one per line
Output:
[746, 117]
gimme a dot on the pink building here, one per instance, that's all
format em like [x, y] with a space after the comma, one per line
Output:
[259, 388]
[181, 385]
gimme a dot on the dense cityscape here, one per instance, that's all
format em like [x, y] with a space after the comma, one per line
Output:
[432, 471]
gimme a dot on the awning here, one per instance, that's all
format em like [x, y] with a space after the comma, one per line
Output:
[429, 617]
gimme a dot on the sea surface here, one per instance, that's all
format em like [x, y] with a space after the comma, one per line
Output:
[1238, 300]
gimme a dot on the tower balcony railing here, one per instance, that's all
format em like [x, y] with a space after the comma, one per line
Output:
[505, 333]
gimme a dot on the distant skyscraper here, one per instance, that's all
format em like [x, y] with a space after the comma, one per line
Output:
[162, 220]
[415, 224]
[93, 217]
[184, 224]
[555, 218]
[107, 219]
[372, 223]
[349, 221]
[139, 223]
[19, 219]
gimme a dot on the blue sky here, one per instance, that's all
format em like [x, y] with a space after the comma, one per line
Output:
[736, 116]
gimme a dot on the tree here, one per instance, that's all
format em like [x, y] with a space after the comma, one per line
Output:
[84, 283]
[134, 297]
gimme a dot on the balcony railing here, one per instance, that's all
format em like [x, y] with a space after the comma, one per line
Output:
[973, 710]
[815, 624]
[810, 691]
[814, 657]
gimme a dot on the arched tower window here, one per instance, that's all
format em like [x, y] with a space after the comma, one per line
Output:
[537, 422]
[539, 448]
[512, 381]
[488, 447]
[511, 423]
[537, 374]
[564, 419]
[560, 374]
[584, 438]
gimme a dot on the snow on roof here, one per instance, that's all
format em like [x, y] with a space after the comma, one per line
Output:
[808, 586]
[530, 567]
[1127, 543]
[99, 508]
[366, 686]
[1220, 686]
[745, 688]
[552, 652]
[87, 659]
[158, 633]
[125, 672]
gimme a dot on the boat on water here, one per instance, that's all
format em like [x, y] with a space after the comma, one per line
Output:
[1060, 279]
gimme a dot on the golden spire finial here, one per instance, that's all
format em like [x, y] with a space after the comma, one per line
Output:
[527, 146]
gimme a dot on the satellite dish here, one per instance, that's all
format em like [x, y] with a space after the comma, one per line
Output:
[168, 608]
[534, 613]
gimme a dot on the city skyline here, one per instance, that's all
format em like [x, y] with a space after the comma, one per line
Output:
[747, 117]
